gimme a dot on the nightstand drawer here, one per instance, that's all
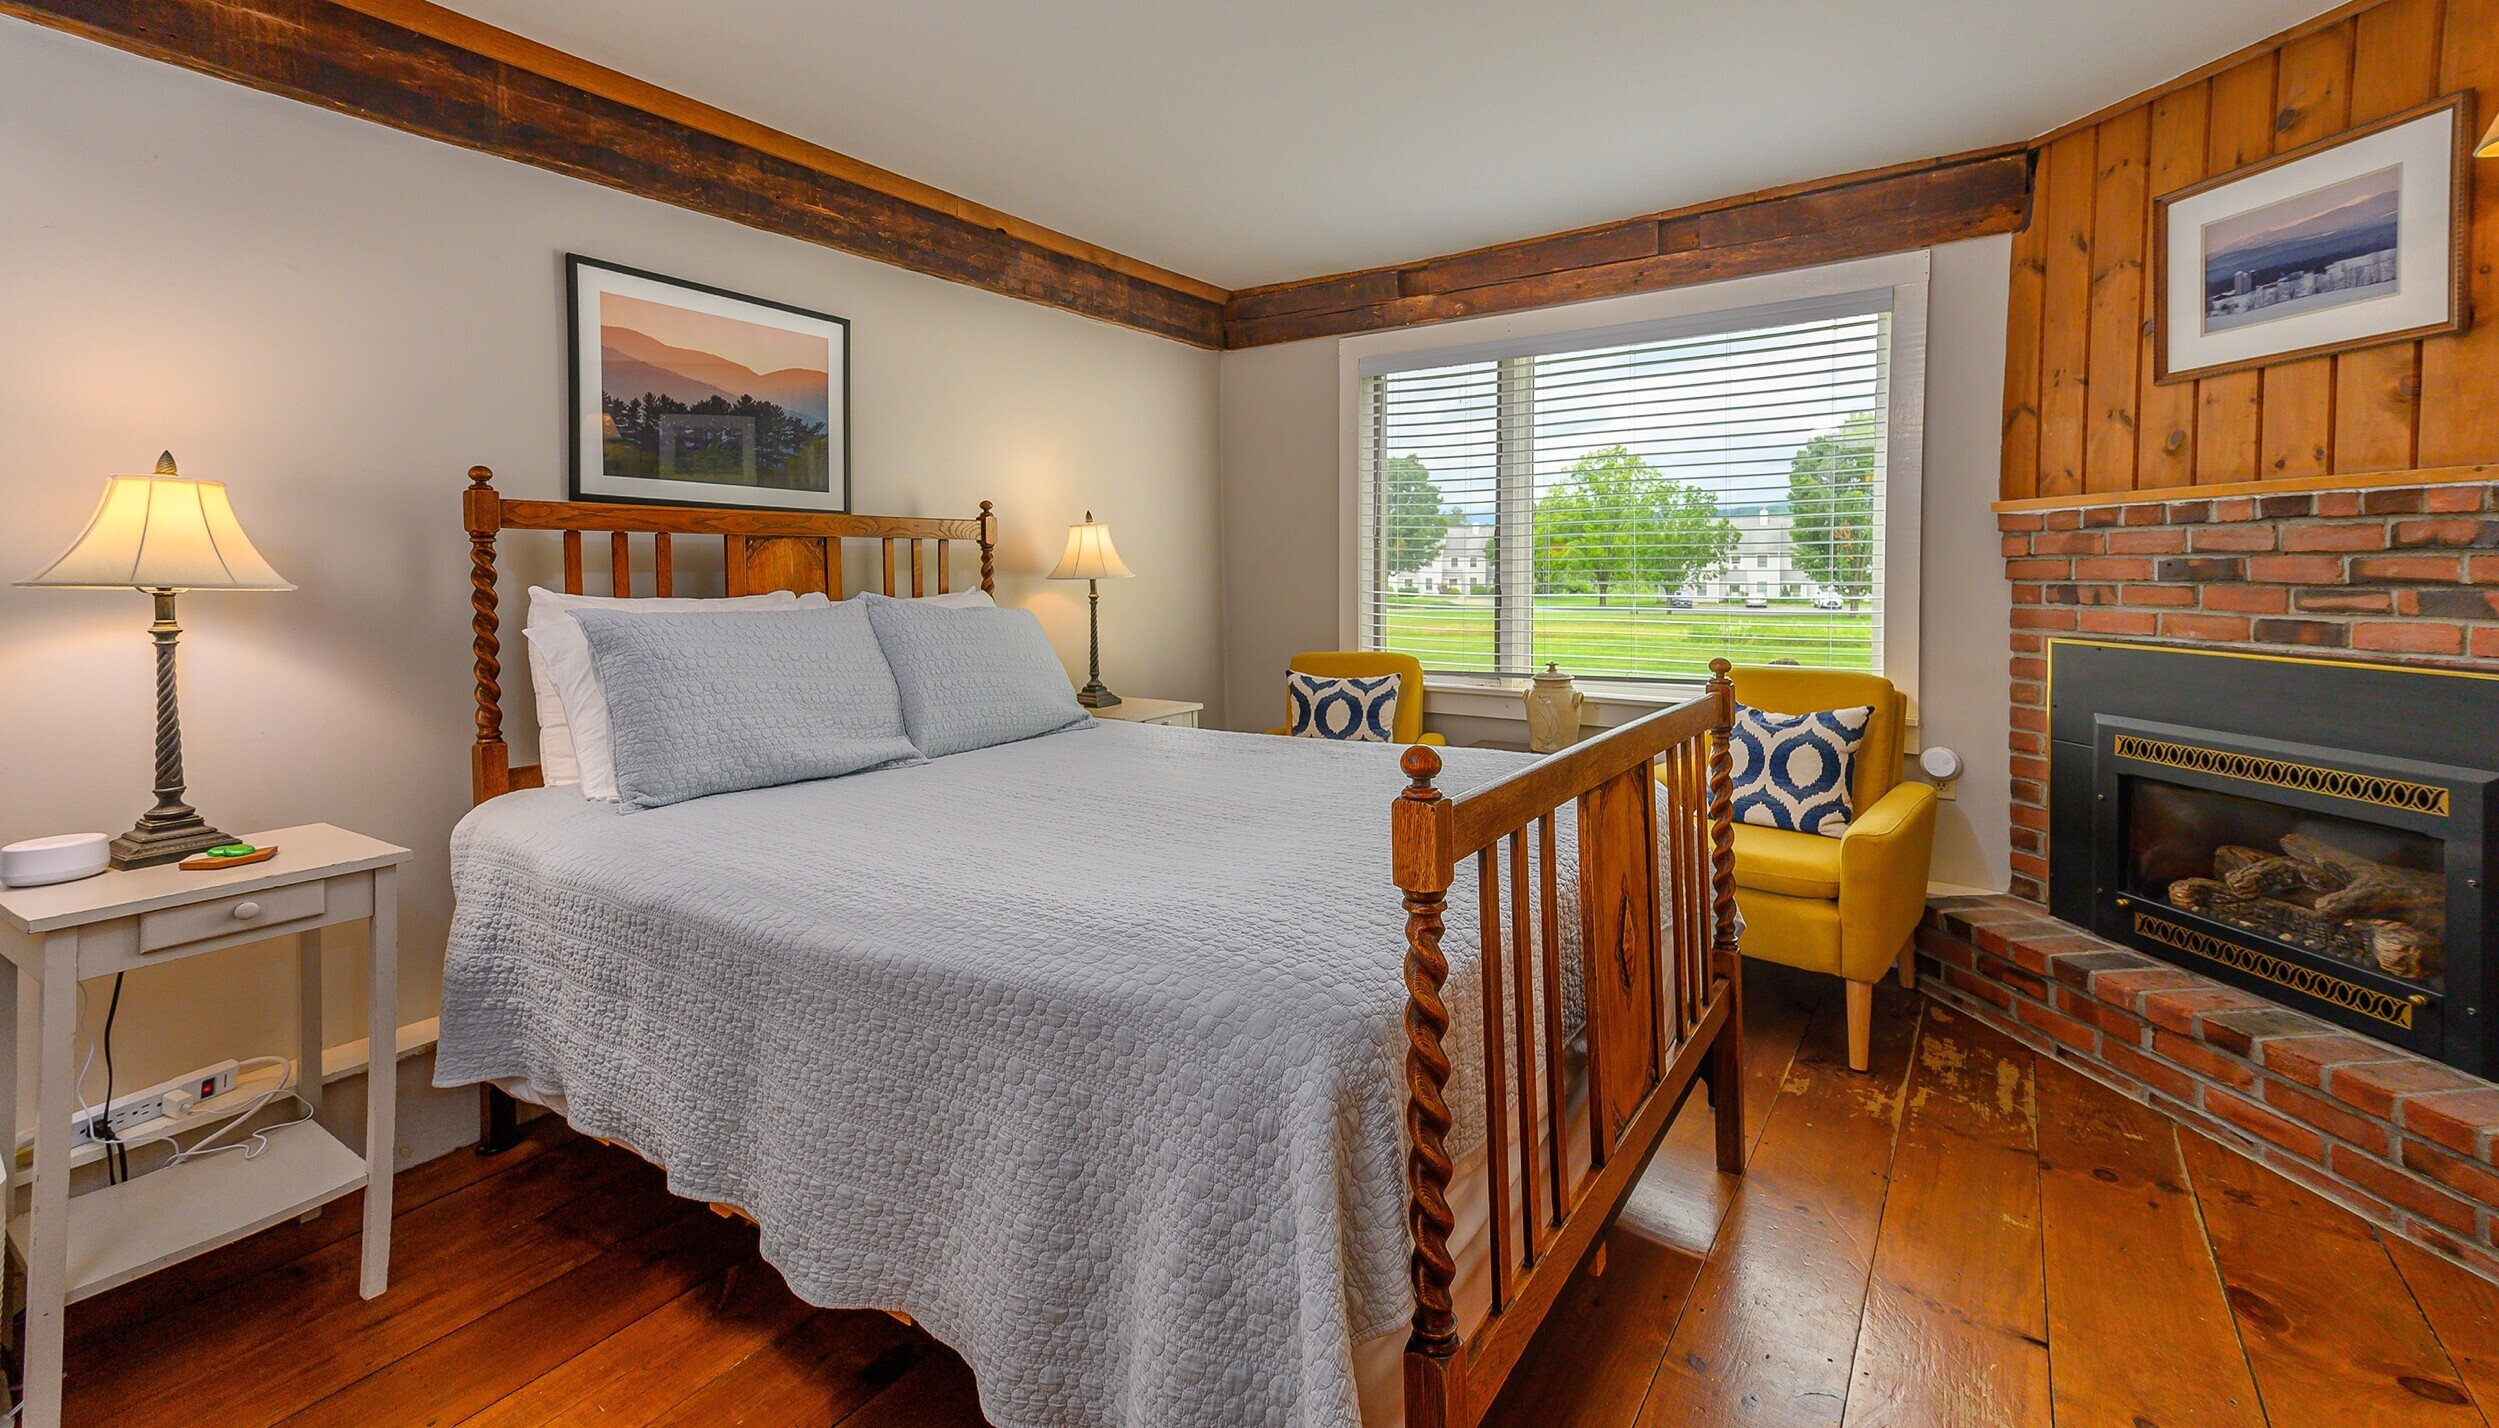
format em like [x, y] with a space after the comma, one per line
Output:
[176, 925]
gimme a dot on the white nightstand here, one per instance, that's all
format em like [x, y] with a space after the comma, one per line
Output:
[60, 935]
[1178, 713]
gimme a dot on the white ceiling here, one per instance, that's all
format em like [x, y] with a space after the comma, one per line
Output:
[1248, 143]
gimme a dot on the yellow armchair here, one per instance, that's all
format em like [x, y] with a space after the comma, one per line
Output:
[1845, 905]
[1373, 664]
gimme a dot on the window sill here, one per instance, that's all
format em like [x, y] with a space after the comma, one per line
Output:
[1486, 697]
[1608, 704]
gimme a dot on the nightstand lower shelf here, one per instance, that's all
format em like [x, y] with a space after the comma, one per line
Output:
[120, 1232]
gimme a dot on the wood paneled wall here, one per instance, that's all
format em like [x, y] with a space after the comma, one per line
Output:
[2082, 413]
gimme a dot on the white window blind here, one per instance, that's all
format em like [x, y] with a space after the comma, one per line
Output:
[1633, 502]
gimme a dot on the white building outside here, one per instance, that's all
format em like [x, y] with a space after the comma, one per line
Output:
[1464, 565]
[1764, 562]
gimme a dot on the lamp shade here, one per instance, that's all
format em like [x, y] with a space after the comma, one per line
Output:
[162, 532]
[2488, 148]
[1089, 554]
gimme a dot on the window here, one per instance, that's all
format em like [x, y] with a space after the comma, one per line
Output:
[1642, 498]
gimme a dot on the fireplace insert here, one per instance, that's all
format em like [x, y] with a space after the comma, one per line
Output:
[2315, 831]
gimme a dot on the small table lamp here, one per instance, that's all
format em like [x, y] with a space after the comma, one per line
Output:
[1090, 558]
[163, 534]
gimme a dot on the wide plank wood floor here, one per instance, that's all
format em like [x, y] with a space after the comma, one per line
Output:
[1968, 1235]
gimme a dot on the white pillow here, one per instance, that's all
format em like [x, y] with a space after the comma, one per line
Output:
[561, 758]
[952, 600]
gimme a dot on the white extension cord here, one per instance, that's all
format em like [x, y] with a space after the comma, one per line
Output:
[256, 1142]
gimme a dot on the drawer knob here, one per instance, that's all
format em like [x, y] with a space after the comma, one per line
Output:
[246, 911]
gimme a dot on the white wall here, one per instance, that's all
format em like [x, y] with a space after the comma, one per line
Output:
[1277, 452]
[1278, 458]
[1968, 607]
[338, 320]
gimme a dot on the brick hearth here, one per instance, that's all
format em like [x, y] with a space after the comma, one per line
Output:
[2389, 574]
[2405, 1141]
[2397, 574]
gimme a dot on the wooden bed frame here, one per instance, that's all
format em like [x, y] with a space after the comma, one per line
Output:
[1656, 892]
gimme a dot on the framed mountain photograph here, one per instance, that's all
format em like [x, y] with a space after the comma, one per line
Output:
[686, 395]
[2349, 242]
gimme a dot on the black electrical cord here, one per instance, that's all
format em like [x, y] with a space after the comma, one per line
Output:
[116, 1157]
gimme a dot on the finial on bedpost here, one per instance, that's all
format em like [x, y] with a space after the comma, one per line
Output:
[1726, 962]
[1423, 826]
[1422, 766]
[490, 759]
[989, 548]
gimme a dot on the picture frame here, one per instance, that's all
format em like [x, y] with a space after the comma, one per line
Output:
[2354, 241]
[683, 394]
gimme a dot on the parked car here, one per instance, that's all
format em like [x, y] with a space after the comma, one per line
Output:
[1756, 602]
[1829, 600]
[1678, 602]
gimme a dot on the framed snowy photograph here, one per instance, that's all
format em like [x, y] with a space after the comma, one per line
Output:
[2349, 242]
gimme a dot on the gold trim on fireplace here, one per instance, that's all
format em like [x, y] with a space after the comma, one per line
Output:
[2281, 773]
[2385, 1007]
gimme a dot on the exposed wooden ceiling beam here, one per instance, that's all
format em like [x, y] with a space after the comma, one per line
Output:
[426, 70]
[419, 67]
[426, 18]
[1859, 215]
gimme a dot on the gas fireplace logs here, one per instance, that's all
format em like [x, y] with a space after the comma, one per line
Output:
[2317, 896]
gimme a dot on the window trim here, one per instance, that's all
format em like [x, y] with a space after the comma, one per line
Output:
[1676, 309]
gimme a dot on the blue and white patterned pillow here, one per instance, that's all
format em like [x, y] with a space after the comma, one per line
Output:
[1793, 770]
[1360, 711]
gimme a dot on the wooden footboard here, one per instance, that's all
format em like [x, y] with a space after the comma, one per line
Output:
[1656, 886]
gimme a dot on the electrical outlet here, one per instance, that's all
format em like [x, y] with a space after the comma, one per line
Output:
[140, 1107]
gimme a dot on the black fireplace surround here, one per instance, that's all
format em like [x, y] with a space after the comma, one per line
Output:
[2315, 831]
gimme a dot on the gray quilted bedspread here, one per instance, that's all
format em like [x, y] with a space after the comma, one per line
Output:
[1085, 1050]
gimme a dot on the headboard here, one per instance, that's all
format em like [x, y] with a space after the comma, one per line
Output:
[760, 551]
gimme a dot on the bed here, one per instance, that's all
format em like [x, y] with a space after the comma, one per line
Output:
[1134, 1063]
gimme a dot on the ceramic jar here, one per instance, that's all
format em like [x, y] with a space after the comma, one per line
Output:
[1553, 705]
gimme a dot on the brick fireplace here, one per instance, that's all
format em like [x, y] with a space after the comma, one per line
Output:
[2315, 831]
[2396, 1122]
[2403, 574]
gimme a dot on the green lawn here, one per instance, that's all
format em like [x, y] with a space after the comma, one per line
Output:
[1639, 637]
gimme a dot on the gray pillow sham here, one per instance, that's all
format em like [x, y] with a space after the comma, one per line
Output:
[972, 678]
[713, 703]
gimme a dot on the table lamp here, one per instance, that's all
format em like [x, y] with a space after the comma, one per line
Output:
[163, 534]
[1089, 557]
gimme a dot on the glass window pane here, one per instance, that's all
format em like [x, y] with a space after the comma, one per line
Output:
[1677, 500]
[1710, 496]
[1429, 491]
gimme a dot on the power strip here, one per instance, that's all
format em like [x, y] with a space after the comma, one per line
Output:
[140, 1107]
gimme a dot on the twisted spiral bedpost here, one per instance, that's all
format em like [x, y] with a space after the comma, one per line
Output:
[490, 760]
[1427, 1123]
[1726, 1068]
[1424, 832]
[989, 549]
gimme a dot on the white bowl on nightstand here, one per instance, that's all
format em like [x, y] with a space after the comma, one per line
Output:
[61, 858]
